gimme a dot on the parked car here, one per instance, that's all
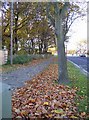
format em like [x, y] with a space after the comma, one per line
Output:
[83, 55]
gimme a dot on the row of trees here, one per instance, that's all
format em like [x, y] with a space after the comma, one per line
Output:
[32, 31]
[38, 25]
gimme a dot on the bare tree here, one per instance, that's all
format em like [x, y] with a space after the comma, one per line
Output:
[62, 19]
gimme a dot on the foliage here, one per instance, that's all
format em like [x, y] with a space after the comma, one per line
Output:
[21, 52]
[24, 58]
[29, 31]
[20, 59]
[82, 47]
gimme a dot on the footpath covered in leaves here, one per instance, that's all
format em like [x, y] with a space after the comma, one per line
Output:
[42, 97]
[16, 78]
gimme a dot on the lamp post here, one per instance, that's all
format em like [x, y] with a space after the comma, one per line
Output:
[66, 48]
[11, 50]
[67, 37]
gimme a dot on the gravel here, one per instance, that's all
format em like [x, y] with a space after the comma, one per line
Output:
[17, 77]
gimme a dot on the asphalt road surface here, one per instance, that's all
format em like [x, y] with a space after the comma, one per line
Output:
[82, 62]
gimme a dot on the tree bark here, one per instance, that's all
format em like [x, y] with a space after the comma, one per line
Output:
[15, 31]
[40, 47]
[62, 61]
[45, 47]
[32, 46]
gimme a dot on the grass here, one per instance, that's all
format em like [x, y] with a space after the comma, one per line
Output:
[9, 68]
[79, 81]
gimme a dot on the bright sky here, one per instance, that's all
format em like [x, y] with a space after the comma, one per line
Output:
[78, 33]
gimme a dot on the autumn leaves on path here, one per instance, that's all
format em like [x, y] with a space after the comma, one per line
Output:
[42, 97]
[16, 78]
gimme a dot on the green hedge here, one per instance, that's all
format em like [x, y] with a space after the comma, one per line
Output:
[20, 59]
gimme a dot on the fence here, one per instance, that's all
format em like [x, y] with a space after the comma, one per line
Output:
[3, 56]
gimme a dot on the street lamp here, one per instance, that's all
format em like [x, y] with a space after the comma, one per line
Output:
[66, 41]
[66, 47]
[11, 51]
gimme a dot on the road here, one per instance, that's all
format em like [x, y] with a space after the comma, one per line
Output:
[82, 62]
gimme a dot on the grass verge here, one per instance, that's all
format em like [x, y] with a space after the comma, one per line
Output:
[79, 81]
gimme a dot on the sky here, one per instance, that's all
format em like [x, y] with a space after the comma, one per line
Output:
[77, 32]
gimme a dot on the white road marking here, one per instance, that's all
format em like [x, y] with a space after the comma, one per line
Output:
[83, 70]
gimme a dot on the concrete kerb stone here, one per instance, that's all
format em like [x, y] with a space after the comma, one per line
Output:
[81, 69]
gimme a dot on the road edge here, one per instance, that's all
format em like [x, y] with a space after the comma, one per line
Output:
[81, 69]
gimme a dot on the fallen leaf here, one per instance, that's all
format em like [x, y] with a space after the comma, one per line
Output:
[46, 103]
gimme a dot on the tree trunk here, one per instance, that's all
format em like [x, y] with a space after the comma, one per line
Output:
[15, 31]
[62, 61]
[45, 47]
[32, 46]
[40, 47]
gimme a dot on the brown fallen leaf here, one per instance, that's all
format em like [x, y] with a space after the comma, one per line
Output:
[42, 97]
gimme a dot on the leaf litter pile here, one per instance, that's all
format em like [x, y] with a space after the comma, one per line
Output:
[42, 97]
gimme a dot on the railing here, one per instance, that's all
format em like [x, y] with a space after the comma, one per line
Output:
[3, 56]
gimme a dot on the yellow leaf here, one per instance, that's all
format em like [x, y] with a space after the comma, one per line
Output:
[73, 116]
[31, 100]
[50, 115]
[46, 103]
[23, 112]
[58, 111]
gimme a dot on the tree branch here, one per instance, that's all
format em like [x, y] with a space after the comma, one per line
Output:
[49, 16]
[64, 8]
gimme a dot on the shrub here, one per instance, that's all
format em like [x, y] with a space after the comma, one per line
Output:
[20, 59]
[21, 52]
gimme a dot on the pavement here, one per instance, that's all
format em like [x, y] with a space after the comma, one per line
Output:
[17, 77]
[81, 62]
